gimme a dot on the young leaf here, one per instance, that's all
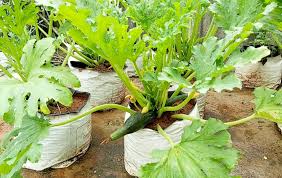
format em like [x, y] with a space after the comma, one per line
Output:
[205, 151]
[21, 144]
[268, 104]
[171, 75]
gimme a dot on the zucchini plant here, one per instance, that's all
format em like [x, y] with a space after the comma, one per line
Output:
[166, 30]
[28, 85]
[174, 53]
[94, 8]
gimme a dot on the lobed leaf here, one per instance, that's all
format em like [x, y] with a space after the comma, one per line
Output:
[268, 104]
[205, 151]
[20, 145]
[44, 83]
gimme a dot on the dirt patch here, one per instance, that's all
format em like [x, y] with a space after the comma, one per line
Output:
[79, 101]
[103, 68]
[258, 141]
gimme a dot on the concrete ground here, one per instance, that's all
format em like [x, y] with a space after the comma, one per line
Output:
[259, 141]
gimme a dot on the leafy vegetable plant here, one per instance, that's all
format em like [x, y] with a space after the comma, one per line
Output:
[167, 37]
[16, 19]
[25, 99]
[165, 31]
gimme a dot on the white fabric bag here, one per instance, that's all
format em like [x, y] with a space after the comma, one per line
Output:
[138, 146]
[256, 75]
[103, 87]
[64, 142]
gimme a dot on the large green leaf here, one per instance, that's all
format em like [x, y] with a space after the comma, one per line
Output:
[43, 83]
[107, 37]
[268, 104]
[251, 55]
[15, 17]
[212, 72]
[36, 54]
[205, 151]
[20, 145]
[231, 14]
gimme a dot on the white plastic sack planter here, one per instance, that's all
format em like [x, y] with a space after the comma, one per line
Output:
[138, 146]
[280, 127]
[64, 142]
[104, 88]
[267, 75]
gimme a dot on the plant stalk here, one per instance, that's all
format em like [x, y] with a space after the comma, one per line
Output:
[68, 55]
[241, 121]
[165, 135]
[186, 117]
[180, 106]
[132, 88]
[95, 109]
[6, 72]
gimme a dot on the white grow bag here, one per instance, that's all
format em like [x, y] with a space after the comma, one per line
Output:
[256, 75]
[138, 146]
[103, 87]
[64, 142]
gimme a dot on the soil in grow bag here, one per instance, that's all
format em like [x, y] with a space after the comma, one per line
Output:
[102, 68]
[79, 101]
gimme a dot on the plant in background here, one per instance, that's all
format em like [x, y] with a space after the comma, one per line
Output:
[93, 9]
[17, 21]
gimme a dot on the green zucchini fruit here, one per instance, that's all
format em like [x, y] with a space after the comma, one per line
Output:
[134, 123]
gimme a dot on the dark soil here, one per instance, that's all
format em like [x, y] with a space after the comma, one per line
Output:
[259, 142]
[165, 121]
[79, 101]
[102, 68]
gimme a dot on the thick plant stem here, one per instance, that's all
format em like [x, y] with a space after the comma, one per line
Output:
[181, 105]
[177, 91]
[180, 87]
[230, 124]
[85, 57]
[95, 109]
[186, 117]
[164, 134]
[37, 32]
[50, 30]
[132, 88]
[76, 57]
[6, 72]
[68, 55]
[241, 121]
